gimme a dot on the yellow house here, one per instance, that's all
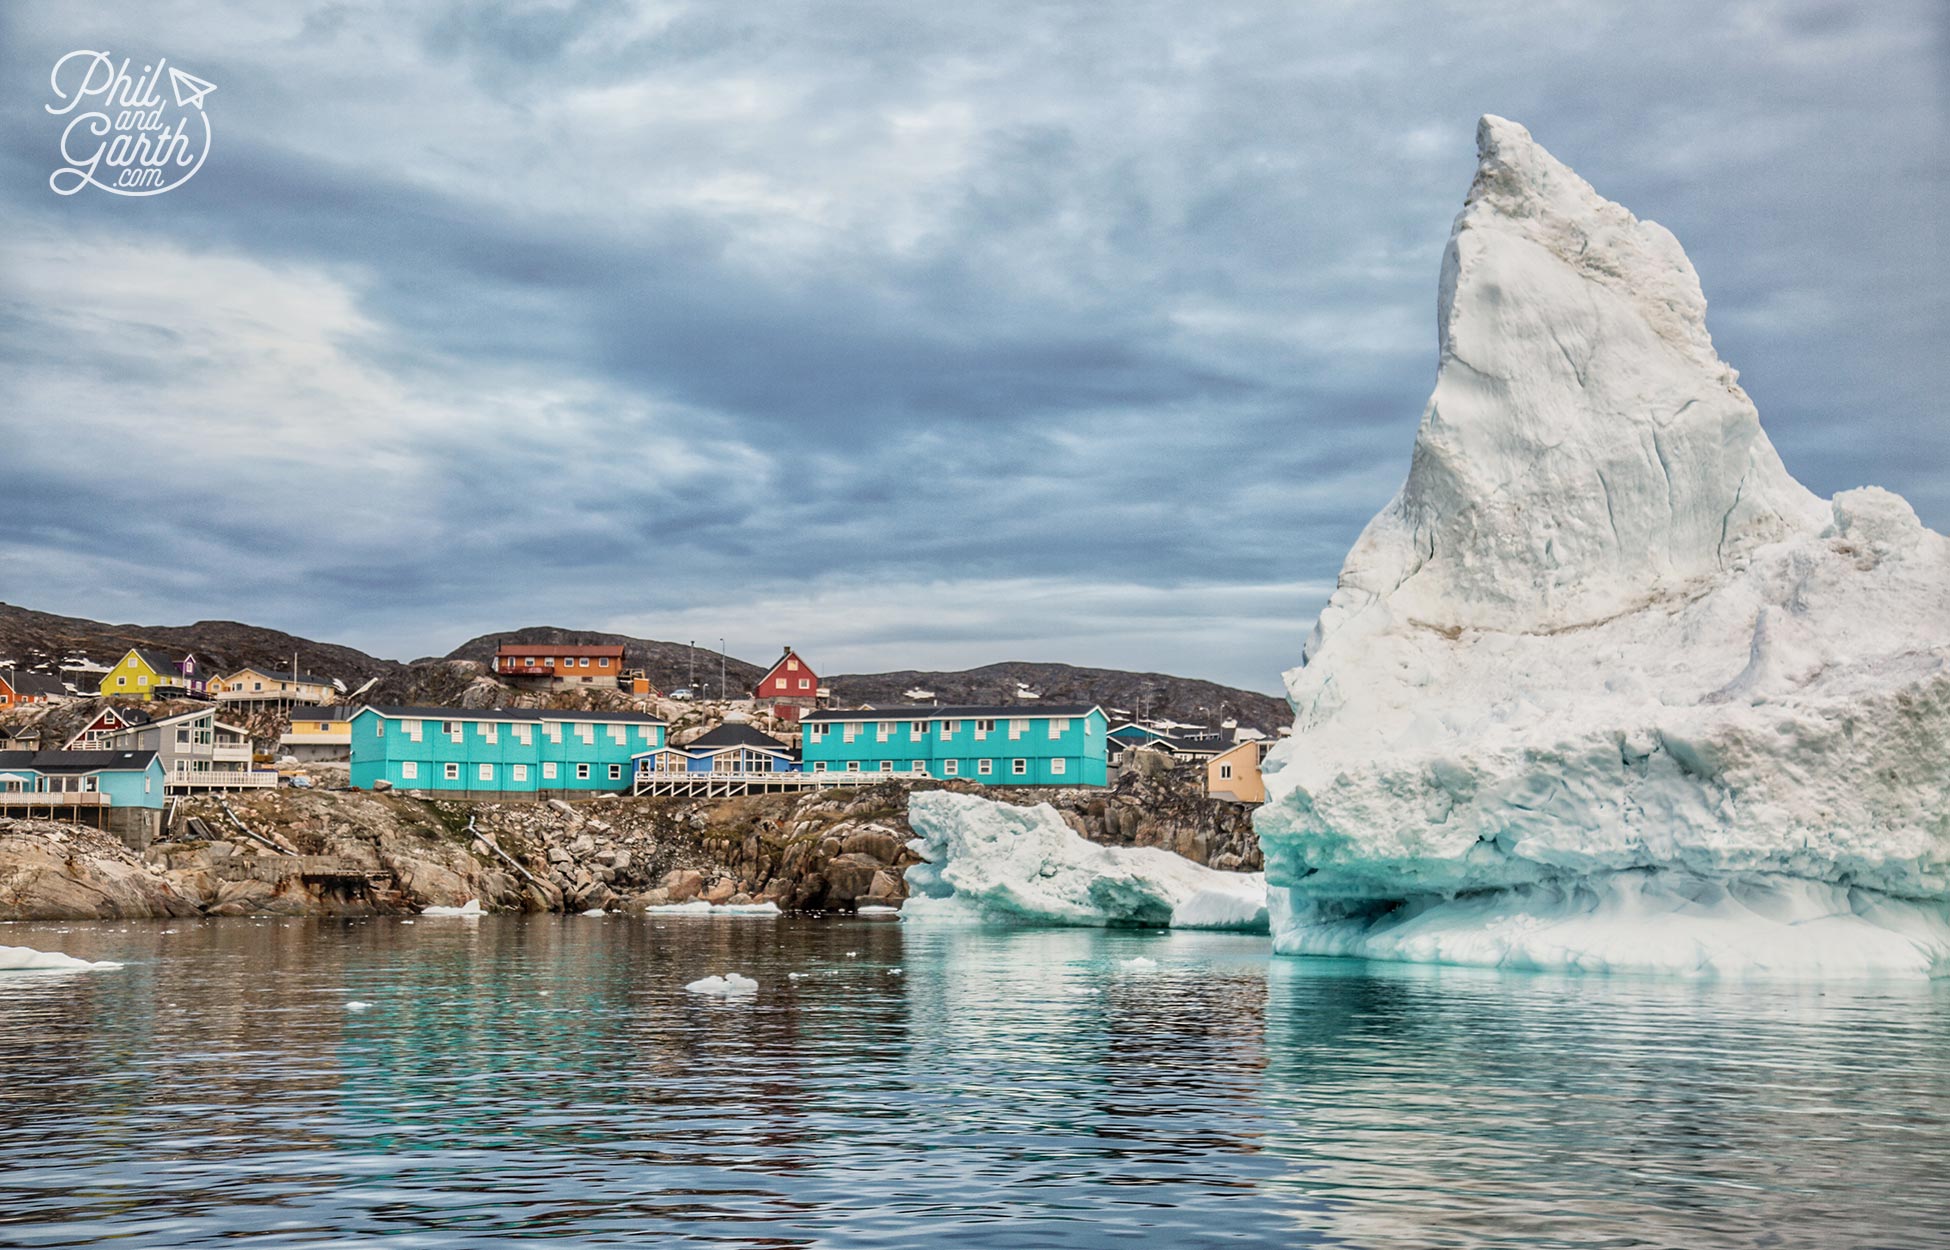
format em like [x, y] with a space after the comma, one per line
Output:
[318, 733]
[147, 674]
[1233, 774]
[266, 685]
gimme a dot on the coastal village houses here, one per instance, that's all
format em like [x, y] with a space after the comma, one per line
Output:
[18, 689]
[107, 722]
[728, 749]
[197, 751]
[790, 689]
[1233, 775]
[559, 667]
[499, 752]
[147, 674]
[1054, 745]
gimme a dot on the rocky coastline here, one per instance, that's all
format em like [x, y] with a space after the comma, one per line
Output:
[326, 852]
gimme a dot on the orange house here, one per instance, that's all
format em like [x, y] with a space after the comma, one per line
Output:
[18, 689]
[789, 688]
[559, 666]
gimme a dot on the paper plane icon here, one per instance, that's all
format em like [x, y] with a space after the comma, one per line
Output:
[189, 89]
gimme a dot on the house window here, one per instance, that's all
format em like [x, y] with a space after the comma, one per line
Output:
[1088, 728]
[951, 768]
[853, 766]
[983, 728]
[851, 732]
[525, 734]
[490, 733]
[583, 663]
[548, 771]
[886, 731]
[182, 737]
[616, 772]
[886, 766]
[409, 770]
[643, 734]
[587, 733]
[816, 733]
[1058, 767]
[487, 772]
[918, 767]
[520, 771]
[1019, 767]
[379, 730]
[819, 766]
[805, 683]
[948, 728]
[917, 731]
[985, 767]
[1225, 772]
[582, 772]
[142, 680]
[1017, 728]
[1057, 728]
[792, 666]
[452, 729]
[603, 662]
[121, 681]
[450, 771]
[618, 734]
[528, 661]
[554, 733]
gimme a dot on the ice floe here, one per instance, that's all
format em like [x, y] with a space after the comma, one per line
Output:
[27, 959]
[730, 985]
[472, 907]
[994, 861]
[698, 907]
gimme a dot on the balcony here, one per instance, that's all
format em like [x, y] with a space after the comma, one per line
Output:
[221, 779]
[54, 798]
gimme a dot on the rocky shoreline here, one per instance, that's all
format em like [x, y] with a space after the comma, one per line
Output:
[299, 852]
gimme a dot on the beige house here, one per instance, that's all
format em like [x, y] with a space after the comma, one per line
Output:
[1232, 775]
[265, 685]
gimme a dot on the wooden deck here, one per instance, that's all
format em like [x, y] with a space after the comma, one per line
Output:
[729, 785]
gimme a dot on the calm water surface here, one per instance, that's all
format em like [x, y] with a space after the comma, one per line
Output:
[476, 1082]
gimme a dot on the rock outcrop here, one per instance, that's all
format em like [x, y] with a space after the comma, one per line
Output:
[1604, 686]
[52, 871]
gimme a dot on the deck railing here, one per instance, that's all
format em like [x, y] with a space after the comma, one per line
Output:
[55, 798]
[222, 779]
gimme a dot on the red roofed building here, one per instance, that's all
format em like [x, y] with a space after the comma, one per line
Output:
[789, 688]
[559, 666]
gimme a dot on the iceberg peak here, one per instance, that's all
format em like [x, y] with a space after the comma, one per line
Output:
[1602, 656]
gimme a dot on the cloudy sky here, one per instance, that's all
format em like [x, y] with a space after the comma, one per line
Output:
[914, 335]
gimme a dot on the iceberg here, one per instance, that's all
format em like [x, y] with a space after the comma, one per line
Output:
[1603, 687]
[992, 861]
[472, 907]
[27, 959]
[730, 985]
[699, 907]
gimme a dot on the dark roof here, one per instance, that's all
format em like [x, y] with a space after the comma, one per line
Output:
[734, 736]
[539, 649]
[337, 711]
[279, 674]
[75, 761]
[512, 713]
[910, 712]
[160, 661]
[33, 683]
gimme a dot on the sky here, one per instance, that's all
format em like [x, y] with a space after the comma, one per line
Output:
[916, 336]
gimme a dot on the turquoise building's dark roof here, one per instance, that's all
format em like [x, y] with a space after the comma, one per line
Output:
[1005, 712]
[514, 714]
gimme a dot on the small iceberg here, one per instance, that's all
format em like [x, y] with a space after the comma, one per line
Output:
[730, 985]
[874, 909]
[1138, 963]
[698, 907]
[27, 959]
[472, 907]
[358, 1004]
[991, 861]
[593, 911]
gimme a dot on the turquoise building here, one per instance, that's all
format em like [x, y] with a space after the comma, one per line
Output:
[120, 791]
[500, 752]
[1053, 745]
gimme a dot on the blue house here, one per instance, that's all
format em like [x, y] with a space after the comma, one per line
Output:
[499, 752]
[119, 791]
[1052, 745]
[727, 749]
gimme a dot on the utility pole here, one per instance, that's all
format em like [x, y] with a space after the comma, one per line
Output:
[693, 655]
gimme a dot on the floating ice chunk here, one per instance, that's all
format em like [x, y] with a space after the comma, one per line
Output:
[594, 911]
[1603, 686]
[994, 861]
[730, 985]
[357, 1004]
[698, 907]
[472, 907]
[1138, 963]
[27, 959]
[874, 909]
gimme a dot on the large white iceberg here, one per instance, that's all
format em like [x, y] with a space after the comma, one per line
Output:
[27, 959]
[994, 861]
[1604, 687]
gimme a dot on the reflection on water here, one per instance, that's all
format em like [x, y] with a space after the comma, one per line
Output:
[549, 1078]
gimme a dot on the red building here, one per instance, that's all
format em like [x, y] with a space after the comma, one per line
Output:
[18, 689]
[559, 665]
[790, 688]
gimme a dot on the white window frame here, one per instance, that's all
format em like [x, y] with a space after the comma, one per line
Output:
[587, 733]
[520, 771]
[412, 728]
[850, 732]
[1225, 772]
[853, 766]
[805, 683]
[525, 734]
[485, 772]
[951, 768]
[819, 766]
[450, 770]
[815, 733]
[619, 735]
[883, 731]
[886, 766]
[982, 728]
[985, 768]
[1018, 768]
[490, 732]
[1058, 766]
[582, 772]
[1018, 726]
[554, 732]
[409, 770]
[948, 728]
[918, 731]
[548, 770]
[1058, 726]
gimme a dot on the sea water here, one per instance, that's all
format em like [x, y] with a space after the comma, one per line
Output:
[477, 1081]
